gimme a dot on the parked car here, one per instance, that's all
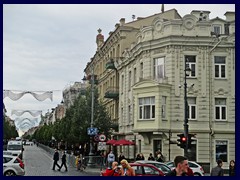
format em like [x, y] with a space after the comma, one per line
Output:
[28, 143]
[13, 166]
[146, 170]
[16, 148]
[197, 169]
[163, 167]
[8, 153]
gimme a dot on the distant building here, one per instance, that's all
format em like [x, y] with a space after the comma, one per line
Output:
[72, 92]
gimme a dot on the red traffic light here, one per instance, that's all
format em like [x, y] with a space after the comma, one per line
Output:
[184, 139]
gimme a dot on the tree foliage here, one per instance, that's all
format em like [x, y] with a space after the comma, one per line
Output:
[8, 130]
[73, 127]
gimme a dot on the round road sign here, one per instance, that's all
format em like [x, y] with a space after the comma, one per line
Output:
[102, 137]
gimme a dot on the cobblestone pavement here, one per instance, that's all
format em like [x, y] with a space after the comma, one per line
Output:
[39, 163]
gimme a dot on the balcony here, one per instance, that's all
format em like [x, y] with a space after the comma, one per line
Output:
[163, 80]
[89, 78]
[112, 93]
[110, 64]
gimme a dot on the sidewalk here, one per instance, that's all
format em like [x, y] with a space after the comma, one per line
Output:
[93, 170]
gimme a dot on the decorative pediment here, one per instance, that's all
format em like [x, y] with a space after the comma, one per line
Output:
[157, 24]
[192, 91]
[220, 91]
[189, 21]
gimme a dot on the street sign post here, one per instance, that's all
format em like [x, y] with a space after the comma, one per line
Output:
[102, 137]
[92, 131]
[102, 146]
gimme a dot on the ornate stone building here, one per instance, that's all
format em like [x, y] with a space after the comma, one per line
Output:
[140, 70]
[70, 93]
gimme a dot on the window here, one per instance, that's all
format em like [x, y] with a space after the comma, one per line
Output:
[129, 114]
[139, 145]
[122, 84]
[121, 115]
[191, 107]
[164, 104]
[226, 28]
[220, 109]
[191, 62]
[159, 68]
[129, 80]
[141, 70]
[221, 150]
[147, 108]
[134, 75]
[217, 29]
[220, 63]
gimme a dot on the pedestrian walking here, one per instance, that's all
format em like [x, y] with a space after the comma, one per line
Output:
[140, 156]
[232, 168]
[78, 162]
[64, 161]
[55, 159]
[121, 157]
[218, 170]
[181, 167]
[110, 159]
[151, 158]
[159, 157]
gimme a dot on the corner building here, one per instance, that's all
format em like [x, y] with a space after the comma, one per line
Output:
[140, 72]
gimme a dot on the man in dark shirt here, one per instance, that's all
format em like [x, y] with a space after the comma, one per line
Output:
[151, 158]
[55, 159]
[218, 170]
[181, 167]
[121, 157]
[63, 161]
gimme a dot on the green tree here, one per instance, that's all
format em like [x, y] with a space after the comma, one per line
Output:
[8, 130]
[73, 127]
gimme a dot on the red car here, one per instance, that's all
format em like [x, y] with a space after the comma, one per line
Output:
[146, 170]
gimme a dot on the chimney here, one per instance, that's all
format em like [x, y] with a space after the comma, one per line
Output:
[122, 21]
[99, 39]
[230, 16]
[162, 8]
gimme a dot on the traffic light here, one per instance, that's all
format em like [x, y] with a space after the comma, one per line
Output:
[190, 140]
[182, 140]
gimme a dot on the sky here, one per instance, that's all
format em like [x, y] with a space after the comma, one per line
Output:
[46, 46]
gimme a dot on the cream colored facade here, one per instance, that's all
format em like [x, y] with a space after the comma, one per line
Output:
[150, 57]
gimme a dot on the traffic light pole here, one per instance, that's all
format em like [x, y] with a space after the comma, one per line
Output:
[185, 110]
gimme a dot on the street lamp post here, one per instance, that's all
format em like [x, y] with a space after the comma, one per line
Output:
[91, 161]
[187, 70]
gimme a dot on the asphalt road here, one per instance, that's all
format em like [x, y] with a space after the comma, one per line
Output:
[39, 163]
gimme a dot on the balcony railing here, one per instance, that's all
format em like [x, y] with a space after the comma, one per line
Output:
[112, 93]
[110, 64]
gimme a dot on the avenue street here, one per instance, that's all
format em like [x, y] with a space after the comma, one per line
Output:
[38, 162]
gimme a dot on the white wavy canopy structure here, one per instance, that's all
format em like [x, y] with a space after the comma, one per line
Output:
[16, 96]
[32, 112]
[20, 122]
